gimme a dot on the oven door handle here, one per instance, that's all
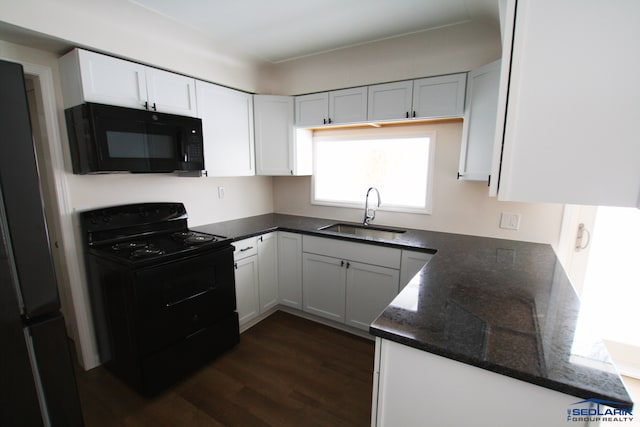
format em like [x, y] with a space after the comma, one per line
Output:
[190, 297]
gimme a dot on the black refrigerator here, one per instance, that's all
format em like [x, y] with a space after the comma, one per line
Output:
[37, 384]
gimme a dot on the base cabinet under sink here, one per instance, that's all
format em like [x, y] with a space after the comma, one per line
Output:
[345, 289]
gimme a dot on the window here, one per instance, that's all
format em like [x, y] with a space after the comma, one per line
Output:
[397, 160]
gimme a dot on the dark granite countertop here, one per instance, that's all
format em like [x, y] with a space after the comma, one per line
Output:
[501, 305]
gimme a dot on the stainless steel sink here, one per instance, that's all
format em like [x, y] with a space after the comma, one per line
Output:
[364, 231]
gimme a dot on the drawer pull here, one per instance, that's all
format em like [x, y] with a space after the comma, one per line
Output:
[246, 249]
[190, 297]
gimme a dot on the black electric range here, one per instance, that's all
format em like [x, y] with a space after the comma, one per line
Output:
[162, 296]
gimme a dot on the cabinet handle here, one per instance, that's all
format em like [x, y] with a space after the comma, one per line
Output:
[235, 265]
[146, 105]
[261, 239]
[155, 109]
[341, 263]
[246, 249]
[324, 121]
[414, 113]
[348, 264]
[329, 120]
[407, 114]
[291, 171]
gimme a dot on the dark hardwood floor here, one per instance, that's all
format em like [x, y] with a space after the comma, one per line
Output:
[286, 371]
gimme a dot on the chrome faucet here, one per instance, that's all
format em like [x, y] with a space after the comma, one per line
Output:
[370, 216]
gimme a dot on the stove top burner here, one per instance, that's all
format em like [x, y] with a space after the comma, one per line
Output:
[149, 247]
[124, 246]
[146, 253]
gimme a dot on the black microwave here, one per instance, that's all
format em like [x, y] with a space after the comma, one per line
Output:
[105, 138]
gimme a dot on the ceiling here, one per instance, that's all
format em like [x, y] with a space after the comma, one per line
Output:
[281, 30]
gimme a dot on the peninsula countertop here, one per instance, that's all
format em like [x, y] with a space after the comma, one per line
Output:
[501, 305]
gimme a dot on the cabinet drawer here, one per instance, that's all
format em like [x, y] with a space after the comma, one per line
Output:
[245, 248]
[360, 252]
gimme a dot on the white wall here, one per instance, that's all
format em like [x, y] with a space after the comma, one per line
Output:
[452, 49]
[458, 207]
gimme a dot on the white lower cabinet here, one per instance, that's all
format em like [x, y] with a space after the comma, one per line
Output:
[412, 387]
[247, 292]
[268, 271]
[369, 290]
[256, 275]
[348, 282]
[323, 286]
[411, 263]
[290, 269]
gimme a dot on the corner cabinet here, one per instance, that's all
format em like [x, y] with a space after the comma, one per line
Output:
[281, 149]
[431, 97]
[93, 77]
[227, 129]
[479, 127]
[334, 107]
[571, 99]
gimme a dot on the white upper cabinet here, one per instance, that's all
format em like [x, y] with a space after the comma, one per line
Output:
[281, 149]
[478, 130]
[92, 77]
[431, 97]
[312, 109]
[441, 96]
[573, 105]
[171, 93]
[390, 101]
[348, 105]
[338, 106]
[227, 129]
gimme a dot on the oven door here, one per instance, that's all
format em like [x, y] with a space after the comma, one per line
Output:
[179, 298]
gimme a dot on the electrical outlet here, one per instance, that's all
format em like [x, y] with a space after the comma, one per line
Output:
[510, 221]
[220, 192]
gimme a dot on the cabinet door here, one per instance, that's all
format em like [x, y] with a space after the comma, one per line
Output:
[268, 271]
[312, 110]
[572, 110]
[290, 269]
[273, 117]
[246, 274]
[441, 96]
[171, 93]
[227, 129]
[390, 101]
[113, 81]
[478, 130]
[348, 105]
[323, 286]
[369, 290]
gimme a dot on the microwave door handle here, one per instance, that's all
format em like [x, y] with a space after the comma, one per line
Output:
[183, 148]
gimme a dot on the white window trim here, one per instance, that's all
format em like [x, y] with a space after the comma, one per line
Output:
[383, 133]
